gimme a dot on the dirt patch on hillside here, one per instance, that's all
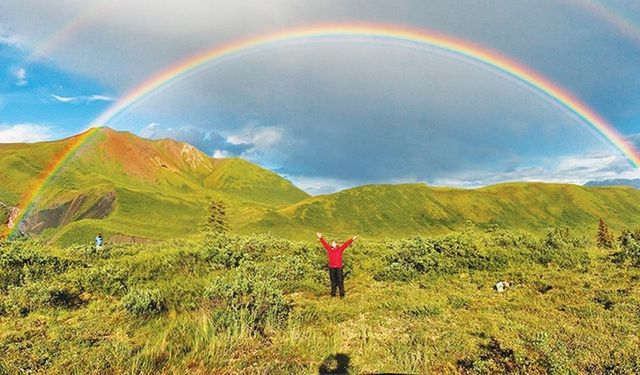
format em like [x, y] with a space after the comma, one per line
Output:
[101, 209]
[67, 212]
[53, 217]
[124, 239]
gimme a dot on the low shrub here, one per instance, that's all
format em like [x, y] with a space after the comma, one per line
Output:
[259, 303]
[511, 239]
[559, 246]
[222, 249]
[630, 248]
[109, 279]
[144, 302]
[449, 254]
[24, 260]
[36, 295]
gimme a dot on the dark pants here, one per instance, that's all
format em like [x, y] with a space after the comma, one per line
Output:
[337, 281]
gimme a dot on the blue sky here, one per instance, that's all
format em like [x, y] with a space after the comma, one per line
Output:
[337, 115]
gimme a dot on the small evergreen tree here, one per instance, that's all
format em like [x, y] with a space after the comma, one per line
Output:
[605, 239]
[217, 219]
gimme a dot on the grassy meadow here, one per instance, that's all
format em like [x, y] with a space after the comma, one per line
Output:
[227, 303]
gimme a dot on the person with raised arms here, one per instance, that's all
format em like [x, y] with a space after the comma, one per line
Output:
[334, 255]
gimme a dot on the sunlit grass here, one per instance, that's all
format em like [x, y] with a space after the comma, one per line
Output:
[179, 306]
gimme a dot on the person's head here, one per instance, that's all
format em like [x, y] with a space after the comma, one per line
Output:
[334, 243]
[99, 234]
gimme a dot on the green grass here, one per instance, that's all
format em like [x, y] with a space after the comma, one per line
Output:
[260, 304]
[392, 211]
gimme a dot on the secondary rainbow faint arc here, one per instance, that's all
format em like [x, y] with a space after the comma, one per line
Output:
[373, 33]
[368, 33]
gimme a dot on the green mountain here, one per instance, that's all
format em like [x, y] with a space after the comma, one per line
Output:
[133, 189]
[408, 209]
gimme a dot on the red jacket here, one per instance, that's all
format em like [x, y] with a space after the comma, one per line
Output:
[335, 254]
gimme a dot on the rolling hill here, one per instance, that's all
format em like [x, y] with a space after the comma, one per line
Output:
[133, 189]
[408, 209]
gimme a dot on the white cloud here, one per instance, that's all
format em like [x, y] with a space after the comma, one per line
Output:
[221, 154]
[83, 98]
[21, 77]
[63, 99]
[259, 144]
[19, 133]
[570, 170]
[149, 131]
[259, 137]
[319, 185]
[100, 98]
[9, 38]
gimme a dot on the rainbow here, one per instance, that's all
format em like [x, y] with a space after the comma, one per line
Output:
[603, 10]
[74, 26]
[380, 34]
[27, 201]
[363, 33]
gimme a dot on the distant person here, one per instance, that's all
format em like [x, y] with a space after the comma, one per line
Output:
[99, 241]
[334, 254]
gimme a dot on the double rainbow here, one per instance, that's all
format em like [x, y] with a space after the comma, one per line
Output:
[379, 34]
[365, 33]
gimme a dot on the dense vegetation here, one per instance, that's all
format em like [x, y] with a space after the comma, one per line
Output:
[228, 303]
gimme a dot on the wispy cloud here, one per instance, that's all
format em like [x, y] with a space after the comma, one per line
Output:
[21, 76]
[258, 136]
[221, 154]
[319, 185]
[19, 133]
[571, 169]
[259, 144]
[9, 38]
[83, 98]
[635, 140]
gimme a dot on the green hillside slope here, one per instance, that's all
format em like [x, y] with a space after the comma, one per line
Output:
[133, 189]
[161, 188]
[399, 210]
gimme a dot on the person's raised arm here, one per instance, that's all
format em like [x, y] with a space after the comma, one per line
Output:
[347, 243]
[323, 241]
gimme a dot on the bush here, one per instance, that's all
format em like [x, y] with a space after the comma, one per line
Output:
[258, 303]
[27, 260]
[223, 249]
[630, 248]
[396, 271]
[88, 251]
[33, 296]
[144, 302]
[108, 279]
[444, 255]
[511, 239]
[562, 248]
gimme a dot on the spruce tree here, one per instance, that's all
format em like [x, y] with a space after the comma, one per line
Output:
[217, 219]
[605, 239]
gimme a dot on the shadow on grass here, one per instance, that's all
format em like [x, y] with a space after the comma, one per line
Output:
[335, 364]
[339, 364]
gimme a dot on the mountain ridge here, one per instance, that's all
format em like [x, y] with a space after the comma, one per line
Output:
[634, 183]
[124, 185]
